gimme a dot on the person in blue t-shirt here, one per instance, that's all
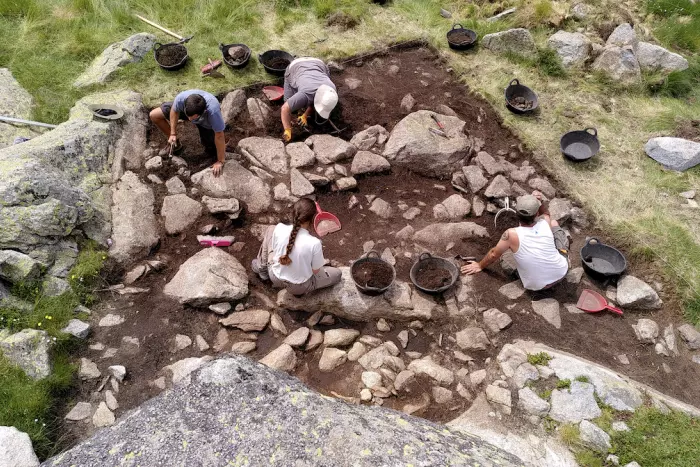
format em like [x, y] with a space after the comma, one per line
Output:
[202, 109]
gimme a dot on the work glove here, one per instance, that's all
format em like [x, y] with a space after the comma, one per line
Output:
[287, 135]
[302, 121]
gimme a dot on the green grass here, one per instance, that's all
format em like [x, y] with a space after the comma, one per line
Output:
[583, 379]
[540, 358]
[84, 277]
[564, 384]
[679, 24]
[678, 84]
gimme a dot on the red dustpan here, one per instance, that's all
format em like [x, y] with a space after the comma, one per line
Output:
[325, 222]
[593, 302]
[274, 93]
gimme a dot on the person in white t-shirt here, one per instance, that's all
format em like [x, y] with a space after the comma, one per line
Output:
[292, 258]
[540, 247]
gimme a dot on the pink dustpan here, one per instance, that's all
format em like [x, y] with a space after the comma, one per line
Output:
[274, 93]
[325, 222]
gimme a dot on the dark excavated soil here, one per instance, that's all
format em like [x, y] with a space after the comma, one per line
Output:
[461, 38]
[278, 63]
[432, 277]
[373, 274]
[170, 55]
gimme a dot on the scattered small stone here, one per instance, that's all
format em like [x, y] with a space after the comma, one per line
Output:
[403, 338]
[315, 340]
[240, 307]
[118, 372]
[383, 326]
[512, 290]
[110, 320]
[441, 395]
[549, 310]
[77, 328]
[88, 369]
[103, 416]
[646, 330]
[594, 437]
[690, 335]
[500, 396]
[339, 337]
[314, 318]
[411, 213]
[97, 347]
[80, 411]
[327, 320]
[159, 383]
[620, 426]
[221, 340]
[154, 163]
[111, 401]
[182, 342]
[407, 103]
[622, 358]
[574, 276]
[688, 194]
[201, 343]
[365, 395]
[243, 347]
[358, 350]
[496, 320]
[298, 337]
[331, 358]
[249, 320]
[109, 353]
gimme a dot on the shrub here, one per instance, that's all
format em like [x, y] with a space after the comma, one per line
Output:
[541, 358]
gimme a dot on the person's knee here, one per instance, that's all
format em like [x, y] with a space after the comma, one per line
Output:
[156, 115]
[335, 275]
[553, 223]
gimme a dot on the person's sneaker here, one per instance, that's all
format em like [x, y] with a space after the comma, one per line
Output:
[260, 270]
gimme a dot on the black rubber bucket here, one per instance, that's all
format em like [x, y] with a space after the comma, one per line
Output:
[426, 260]
[580, 145]
[456, 40]
[516, 91]
[159, 49]
[371, 257]
[266, 57]
[228, 60]
[602, 261]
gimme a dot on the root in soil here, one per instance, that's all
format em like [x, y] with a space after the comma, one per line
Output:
[521, 103]
[432, 277]
[170, 55]
[461, 38]
[278, 63]
[373, 274]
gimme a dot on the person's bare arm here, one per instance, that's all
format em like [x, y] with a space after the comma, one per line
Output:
[494, 253]
[544, 208]
[220, 143]
[174, 117]
[286, 114]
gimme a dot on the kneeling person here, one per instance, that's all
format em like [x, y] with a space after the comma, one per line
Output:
[540, 247]
[292, 258]
[202, 109]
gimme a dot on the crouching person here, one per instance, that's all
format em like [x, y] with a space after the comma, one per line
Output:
[292, 258]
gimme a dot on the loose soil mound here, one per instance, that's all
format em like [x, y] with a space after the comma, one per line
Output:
[373, 274]
[461, 38]
[278, 63]
[170, 55]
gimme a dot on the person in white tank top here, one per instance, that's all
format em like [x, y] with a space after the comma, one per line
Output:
[540, 247]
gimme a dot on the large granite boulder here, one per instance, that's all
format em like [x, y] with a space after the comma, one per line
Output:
[18, 267]
[57, 182]
[232, 105]
[635, 293]
[115, 56]
[399, 303]
[444, 233]
[16, 448]
[623, 36]
[329, 149]
[29, 350]
[572, 47]
[16, 102]
[619, 63]
[135, 231]
[180, 212]
[413, 146]
[267, 153]
[517, 41]
[236, 411]
[653, 57]
[237, 182]
[210, 276]
[674, 153]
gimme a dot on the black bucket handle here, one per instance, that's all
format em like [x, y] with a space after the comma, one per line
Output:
[423, 255]
[455, 26]
[221, 46]
[370, 254]
[594, 240]
[514, 80]
[157, 46]
[595, 132]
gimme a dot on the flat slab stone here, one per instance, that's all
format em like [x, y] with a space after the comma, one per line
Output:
[366, 162]
[134, 228]
[635, 293]
[496, 320]
[248, 320]
[180, 212]
[549, 310]
[237, 182]
[80, 411]
[444, 233]
[674, 153]
[300, 155]
[329, 149]
[268, 153]
[300, 185]
[574, 404]
[229, 206]
[512, 290]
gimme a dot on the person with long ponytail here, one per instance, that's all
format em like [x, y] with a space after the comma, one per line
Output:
[292, 258]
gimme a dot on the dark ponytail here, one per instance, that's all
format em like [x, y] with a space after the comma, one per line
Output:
[304, 211]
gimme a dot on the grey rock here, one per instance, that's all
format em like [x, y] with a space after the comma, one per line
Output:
[180, 371]
[574, 275]
[407, 103]
[499, 188]
[472, 338]
[498, 395]
[248, 320]
[331, 359]
[88, 370]
[442, 109]
[180, 212]
[236, 182]
[340, 337]
[635, 293]
[238, 383]
[517, 41]
[524, 373]
[620, 426]
[670, 340]
[406, 233]
[532, 403]
[229, 206]
[300, 155]
[542, 185]
[233, 104]
[55, 286]
[455, 208]
[315, 340]
[80, 411]
[512, 290]
[549, 310]
[18, 267]
[155, 179]
[282, 193]
[655, 58]
[110, 320]
[282, 358]
[580, 11]
[16, 448]
[114, 57]
[329, 149]
[243, 348]
[77, 328]
[560, 210]
[404, 379]
[220, 308]
[475, 178]
[182, 341]
[622, 36]
[619, 64]
[690, 335]
[374, 136]
[409, 214]
[572, 47]
[441, 395]
[300, 185]
[357, 350]
[298, 337]
[154, 163]
[353, 83]
[134, 231]
[29, 350]
[425, 366]
[488, 163]
[593, 437]
[690, 194]
[17, 103]
[202, 344]
[135, 274]
[103, 416]
[382, 209]
[111, 401]
[371, 379]
[674, 153]
[403, 338]
[210, 276]
[444, 233]
[259, 112]
[346, 183]
[574, 404]
[367, 162]
[267, 153]
[510, 358]
[521, 174]
[411, 145]
[496, 320]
